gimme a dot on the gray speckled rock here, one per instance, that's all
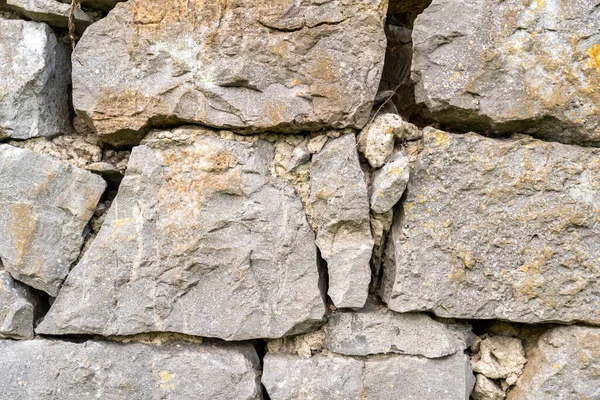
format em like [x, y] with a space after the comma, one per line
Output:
[45, 205]
[511, 66]
[389, 184]
[564, 365]
[498, 229]
[200, 240]
[34, 81]
[52, 12]
[17, 306]
[44, 369]
[340, 205]
[281, 66]
[288, 376]
[377, 330]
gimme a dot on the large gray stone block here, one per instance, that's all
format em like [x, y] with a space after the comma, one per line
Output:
[281, 66]
[45, 205]
[498, 229]
[511, 66]
[200, 240]
[35, 74]
[57, 370]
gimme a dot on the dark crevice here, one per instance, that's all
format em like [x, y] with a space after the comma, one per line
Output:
[323, 279]
[261, 350]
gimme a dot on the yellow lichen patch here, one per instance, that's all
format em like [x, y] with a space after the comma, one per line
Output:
[594, 54]
[166, 378]
[23, 225]
[441, 139]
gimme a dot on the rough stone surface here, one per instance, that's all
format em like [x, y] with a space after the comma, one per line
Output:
[377, 330]
[498, 229]
[44, 369]
[486, 389]
[44, 206]
[52, 12]
[565, 364]
[340, 206]
[200, 240]
[17, 308]
[280, 66]
[376, 141]
[287, 376]
[389, 184]
[500, 357]
[511, 66]
[35, 75]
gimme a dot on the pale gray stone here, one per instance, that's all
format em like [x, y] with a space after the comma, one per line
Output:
[200, 240]
[486, 389]
[287, 376]
[376, 141]
[563, 365]
[377, 330]
[45, 205]
[340, 205]
[52, 12]
[280, 66]
[34, 81]
[510, 66]
[500, 357]
[45, 369]
[389, 184]
[498, 229]
[17, 308]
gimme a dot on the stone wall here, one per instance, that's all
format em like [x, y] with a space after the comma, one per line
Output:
[206, 199]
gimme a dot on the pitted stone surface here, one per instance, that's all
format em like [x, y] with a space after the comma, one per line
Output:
[340, 206]
[45, 369]
[389, 183]
[377, 330]
[512, 66]
[200, 240]
[498, 229]
[289, 376]
[276, 65]
[34, 81]
[45, 205]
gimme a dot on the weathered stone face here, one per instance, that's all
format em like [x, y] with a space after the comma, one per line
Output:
[377, 330]
[52, 12]
[45, 205]
[498, 229]
[200, 240]
[273, 65]
[17, 303]
[564, 364]
[40, 369]
[511, 66]
[340, 206]
[35, 71]
[288, 376]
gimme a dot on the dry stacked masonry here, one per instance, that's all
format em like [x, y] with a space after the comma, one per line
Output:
[300, 200]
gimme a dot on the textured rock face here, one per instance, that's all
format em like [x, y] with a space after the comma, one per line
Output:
[17, 304]
[509, 67]
[52, 12]
[34, 97]
[43, 369]
[44, 206]
[500, 357]
[340, 205]
[377, 330]
[278, 66]
[385, 377]
[502, 229]
[564, 364]
[199, 240]
[389, 184]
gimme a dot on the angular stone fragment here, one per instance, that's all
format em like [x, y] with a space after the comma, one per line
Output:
[500, 357]
[45, 205]
[341, 210]
[44, 369]
[281, 66]
[287, 376]
[376, 141]
[35, 76]
[377, 330]
[565, 364]
[200, 240]
[498, 229]
[504, 67]
[486, 389]
[52, 12]
[17, 306]
[389, 184]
